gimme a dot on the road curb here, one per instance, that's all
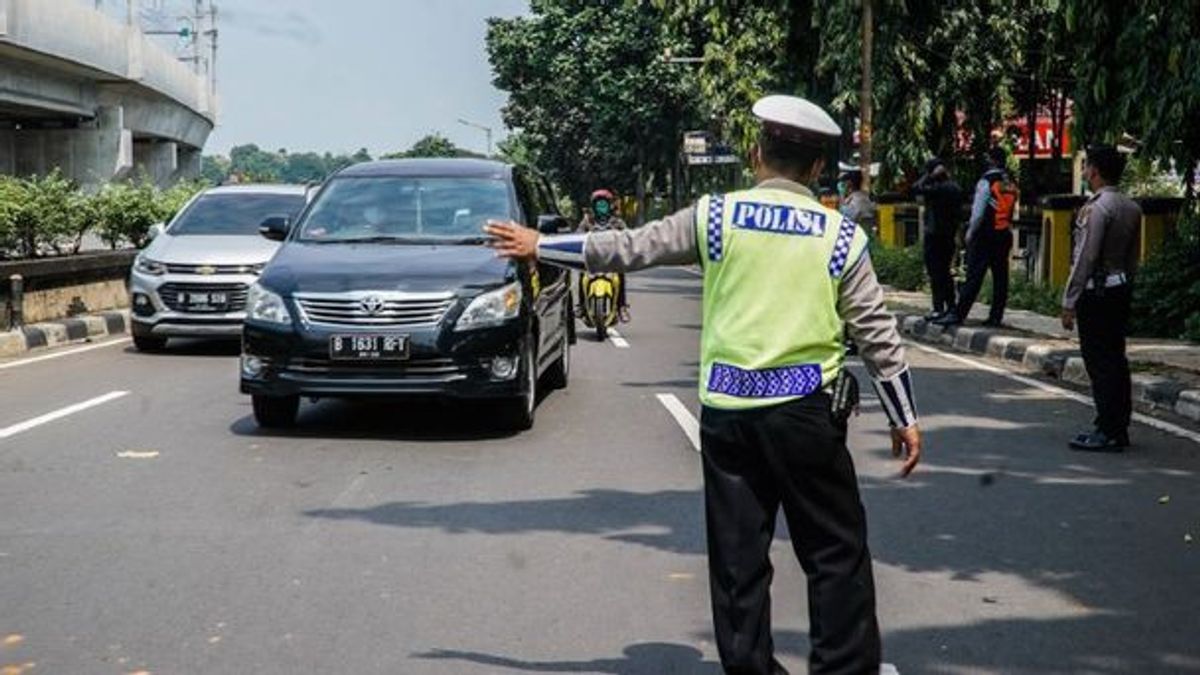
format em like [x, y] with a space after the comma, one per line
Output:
[64, 331]
[1055, 358]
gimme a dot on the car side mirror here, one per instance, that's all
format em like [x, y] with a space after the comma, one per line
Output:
[552, 224]
[275, 228]
[157, 229]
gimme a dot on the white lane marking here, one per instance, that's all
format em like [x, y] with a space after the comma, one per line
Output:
[683, 417]
[693, 270]
[617, 340]
[1173, 429]
[67, 352]
[138, 454]
[60, 413]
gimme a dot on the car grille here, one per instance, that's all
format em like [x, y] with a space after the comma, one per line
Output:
[173, 268]
[440, 369]
[235, 297]
[374, 309]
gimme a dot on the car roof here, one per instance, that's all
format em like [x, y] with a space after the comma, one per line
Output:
[457, 167]
[258, 189]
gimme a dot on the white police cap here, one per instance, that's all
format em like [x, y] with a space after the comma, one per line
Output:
[795, 119]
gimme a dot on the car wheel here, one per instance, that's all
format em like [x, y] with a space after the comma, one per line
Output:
[149, 343]
[275, 412]
[517, 413]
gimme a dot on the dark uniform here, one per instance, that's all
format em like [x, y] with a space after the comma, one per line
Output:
[1099, 290]
[943, 214]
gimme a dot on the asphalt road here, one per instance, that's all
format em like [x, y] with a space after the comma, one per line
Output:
[160, 531]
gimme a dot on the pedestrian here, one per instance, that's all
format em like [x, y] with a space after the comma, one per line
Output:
[943, 215]
[857, 204]
[782, 277]
[1098, 294]
[989, 241]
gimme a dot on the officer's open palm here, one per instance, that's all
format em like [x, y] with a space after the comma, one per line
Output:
[511, 240]
[906, 444]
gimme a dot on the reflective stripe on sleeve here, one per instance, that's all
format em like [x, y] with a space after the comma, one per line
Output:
[563, 250]
[896, 395]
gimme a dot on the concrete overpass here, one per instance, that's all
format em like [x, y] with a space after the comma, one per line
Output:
[95, 97]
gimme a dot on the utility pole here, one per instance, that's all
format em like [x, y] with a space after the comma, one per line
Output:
[865, 107]
[485, 129]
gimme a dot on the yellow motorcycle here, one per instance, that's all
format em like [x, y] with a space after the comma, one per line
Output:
[599, 305]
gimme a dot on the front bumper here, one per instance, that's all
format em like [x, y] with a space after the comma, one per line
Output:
[441, 363]
[156, 312]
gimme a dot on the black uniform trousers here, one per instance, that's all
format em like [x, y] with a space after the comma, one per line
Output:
[791, 455]
[990, 250]
[1103, 322]
[939, 256]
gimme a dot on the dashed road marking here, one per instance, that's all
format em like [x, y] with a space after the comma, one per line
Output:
[683, 417]
[58, 355]
[1161, 425]
[617, 340]
[60, 413]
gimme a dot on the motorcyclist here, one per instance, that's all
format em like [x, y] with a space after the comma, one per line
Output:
[602, 216]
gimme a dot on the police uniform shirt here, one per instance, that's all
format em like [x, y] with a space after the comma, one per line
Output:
[1105, 240]
[672, 241]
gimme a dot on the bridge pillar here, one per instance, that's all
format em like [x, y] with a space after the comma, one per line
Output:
[156, 160]
[92, 153]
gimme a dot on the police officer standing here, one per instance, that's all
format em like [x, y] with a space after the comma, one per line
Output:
[782, 276]
[943, 214]
[1098, 295]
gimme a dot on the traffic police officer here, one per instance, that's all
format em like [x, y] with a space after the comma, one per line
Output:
[1099, 292]
[782, 276]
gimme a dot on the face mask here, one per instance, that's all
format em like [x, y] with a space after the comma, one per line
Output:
[843, 189]
[602, 209]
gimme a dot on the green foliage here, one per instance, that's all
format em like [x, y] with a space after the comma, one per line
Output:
[1146, 178]
[127, 212]
[433, 145]
[900, 268]
[1166, 295]
[251, 164]
[1024, 294]
[590, 91]
[42, 215]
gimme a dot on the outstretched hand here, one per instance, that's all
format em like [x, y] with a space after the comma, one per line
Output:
[511, 240]
[906, 444]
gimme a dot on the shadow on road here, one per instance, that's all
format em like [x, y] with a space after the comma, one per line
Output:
[669, 520]
[192, 347]
[648, 658]
[402, 420]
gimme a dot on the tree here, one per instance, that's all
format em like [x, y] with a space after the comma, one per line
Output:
[432, 145]
[589, 88]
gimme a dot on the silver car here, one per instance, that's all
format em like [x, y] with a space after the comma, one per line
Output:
[191, 281]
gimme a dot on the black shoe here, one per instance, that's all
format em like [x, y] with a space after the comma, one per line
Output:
[1098, 441]
[935, 315]
[948, 319]
[993, 323]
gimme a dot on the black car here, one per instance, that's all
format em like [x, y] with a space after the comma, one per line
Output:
[385, 287]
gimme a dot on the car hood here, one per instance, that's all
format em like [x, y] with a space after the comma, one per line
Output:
[332, 268]
[197, 249]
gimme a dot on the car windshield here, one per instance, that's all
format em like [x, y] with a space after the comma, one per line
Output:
[406, 209]
[235, 213]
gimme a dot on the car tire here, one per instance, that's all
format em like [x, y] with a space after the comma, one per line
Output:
[275, 412]
[601, 332]
[149, 343]
[516, 414]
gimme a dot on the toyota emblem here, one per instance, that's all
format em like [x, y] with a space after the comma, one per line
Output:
[372, 304]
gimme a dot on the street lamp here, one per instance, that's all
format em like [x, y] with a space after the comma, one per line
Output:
[485, 129]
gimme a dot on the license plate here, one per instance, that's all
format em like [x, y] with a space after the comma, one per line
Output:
[204, 299]
[361, 347]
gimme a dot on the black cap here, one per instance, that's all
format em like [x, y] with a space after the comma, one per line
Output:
[933, 163]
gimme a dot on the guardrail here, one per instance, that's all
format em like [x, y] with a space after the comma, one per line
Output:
[28, 287]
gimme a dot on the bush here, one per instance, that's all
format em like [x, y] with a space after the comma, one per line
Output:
[1166, 296]
[127, 211]
[900, 268]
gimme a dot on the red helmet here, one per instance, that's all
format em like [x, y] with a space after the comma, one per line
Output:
[603, 194]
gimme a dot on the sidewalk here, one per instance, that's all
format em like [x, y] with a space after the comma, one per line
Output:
[1166, 373]
[64, 331]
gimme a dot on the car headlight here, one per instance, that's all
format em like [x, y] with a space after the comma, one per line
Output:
[263, 305]
[148, 266]
[492, 307]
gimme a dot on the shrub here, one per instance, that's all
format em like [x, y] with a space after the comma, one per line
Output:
[900, 268]
[1166, 295]
[171, 200]
[13, 208]
[126, 212]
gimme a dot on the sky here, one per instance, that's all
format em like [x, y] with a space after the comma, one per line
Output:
[338, 75]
